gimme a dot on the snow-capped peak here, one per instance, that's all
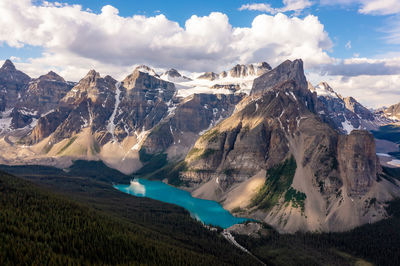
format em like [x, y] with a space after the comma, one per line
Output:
[323, 89]
[173, 75]
[147, 70]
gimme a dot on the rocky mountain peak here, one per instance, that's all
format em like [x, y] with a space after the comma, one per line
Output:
[8, 73]
[392, 112]
[264, 65]
[13, 85]
[90, 80]
[173, 73]
[145, 69]
[8, 66]
[174, 76]
[208, 76]
[240, 71]
[110, 79]
[288, 70]
[323, 89]
[92, 74]
[92, 86]
[354, 106]
[52, 76]
[324, 85]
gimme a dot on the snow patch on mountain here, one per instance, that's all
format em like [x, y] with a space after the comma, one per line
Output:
[187, 88]
[5, 120]
[347, 126]
[111, 125]
[323, 89]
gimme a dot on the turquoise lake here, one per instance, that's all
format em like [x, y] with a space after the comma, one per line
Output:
[207, 211]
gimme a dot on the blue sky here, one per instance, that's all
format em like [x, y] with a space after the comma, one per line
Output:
[350, 43]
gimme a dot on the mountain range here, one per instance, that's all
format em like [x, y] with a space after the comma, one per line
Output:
[263, 142]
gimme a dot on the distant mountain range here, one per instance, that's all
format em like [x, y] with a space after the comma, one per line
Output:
[264, 142]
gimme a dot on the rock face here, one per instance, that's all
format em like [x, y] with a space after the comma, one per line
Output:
[47, 125]
[41, 96]
[357, 108]
[174, 76]
[44, 93]
[177, 133]
[88, 104]
[12, 85]
[286, 71]
[240, 71]
[358, 162]
[343, 114]
[392, 112]
[328, 176]
[145, 100]
[29, 98]
[209, 76]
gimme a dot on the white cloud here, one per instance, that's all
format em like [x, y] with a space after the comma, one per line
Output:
[289, 5]
[15, 58]
[258, 7]
[371, 91]
[75, 40]
[296, 5]
[373, 82]
[380, 7]
[374, 7]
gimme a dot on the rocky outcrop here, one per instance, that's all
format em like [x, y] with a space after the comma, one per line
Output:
[358, 161]
[288, 70]
[47, 125]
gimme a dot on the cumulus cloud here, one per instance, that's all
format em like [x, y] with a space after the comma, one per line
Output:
[374, 7]
[75, 39]
[289, 5]
[371, 91]
[373, 82]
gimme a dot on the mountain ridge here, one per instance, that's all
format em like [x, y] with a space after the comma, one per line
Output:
[221, 137]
